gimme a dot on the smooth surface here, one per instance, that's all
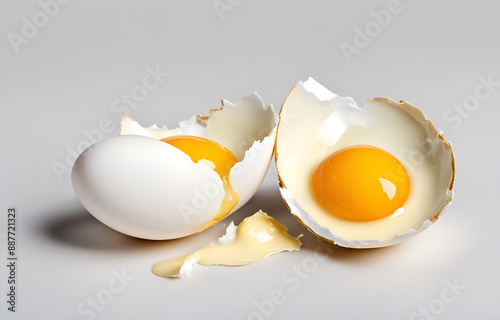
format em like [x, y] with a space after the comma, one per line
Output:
[63, 85]
[146, 188]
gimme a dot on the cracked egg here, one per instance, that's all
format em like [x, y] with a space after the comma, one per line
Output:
[361, 177]
[159, 183]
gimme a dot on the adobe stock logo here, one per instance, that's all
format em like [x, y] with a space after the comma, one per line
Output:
[449, 294]
[463, 110]
[291, 281]
[224, 6]
[122, 106]
[31, 27]
[363, 37]
[201, 200]
[97, 303]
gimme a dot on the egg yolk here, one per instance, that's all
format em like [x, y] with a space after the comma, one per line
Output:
[219, 158]
[360, 183]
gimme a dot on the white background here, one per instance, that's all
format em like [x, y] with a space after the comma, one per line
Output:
[64, 79]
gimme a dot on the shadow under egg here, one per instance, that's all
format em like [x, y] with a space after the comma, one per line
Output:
[79, 228]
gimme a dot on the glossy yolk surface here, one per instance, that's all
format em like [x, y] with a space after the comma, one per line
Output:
[360, 183]
[219, 158]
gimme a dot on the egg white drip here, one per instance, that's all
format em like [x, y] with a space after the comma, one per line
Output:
[314, 124]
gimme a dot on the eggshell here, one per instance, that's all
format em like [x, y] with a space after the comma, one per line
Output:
[314, 122]
[146, 188]
[247, 128]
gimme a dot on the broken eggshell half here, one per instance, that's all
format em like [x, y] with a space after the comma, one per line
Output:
[315, 123]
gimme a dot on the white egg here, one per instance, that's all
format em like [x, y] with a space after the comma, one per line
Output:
[141, 186]
[315, 123]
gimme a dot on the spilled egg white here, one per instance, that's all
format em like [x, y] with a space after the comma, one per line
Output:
[315, 122]
[143, 187]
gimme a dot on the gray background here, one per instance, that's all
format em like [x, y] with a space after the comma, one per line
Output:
[64, 80]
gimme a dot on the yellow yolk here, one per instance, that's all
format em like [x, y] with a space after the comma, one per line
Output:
[219, 158]
[360, 183]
